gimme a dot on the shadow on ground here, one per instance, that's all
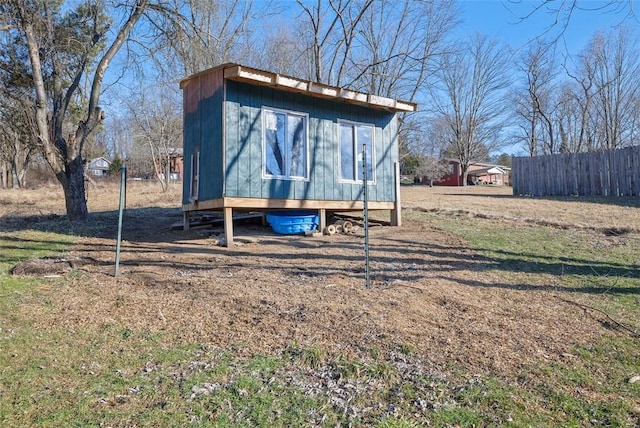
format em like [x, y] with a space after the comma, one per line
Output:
[404, 256]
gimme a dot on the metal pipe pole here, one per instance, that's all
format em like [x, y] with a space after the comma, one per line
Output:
[123, 192]
[367, 277]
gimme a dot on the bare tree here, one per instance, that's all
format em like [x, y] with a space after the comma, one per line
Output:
[616, 87]
[158, 126]
[582, 96]
[63, 44]
[17, 149]
[470, 103]
[401, 63]
[329, 34]
[558, 14]
[599, 110]
[432, 169]
[207, 34]
[399, 45]
[118, 135]
[278, 49]
[534, 102]
[571, 118]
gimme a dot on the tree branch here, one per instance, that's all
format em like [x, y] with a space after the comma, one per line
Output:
[626, 328]
[94, 113]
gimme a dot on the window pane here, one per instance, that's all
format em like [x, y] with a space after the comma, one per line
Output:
[274, 143]
[346, 153]
[296, 138]
[285, 144]
[364, 138]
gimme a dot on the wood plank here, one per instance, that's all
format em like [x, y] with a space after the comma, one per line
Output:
[316, 160]
[624, 172]
[287, 83]
[185, 220]
[211, 221]
[228, 226]
[635, 168]
[303, 204]
[255, 203]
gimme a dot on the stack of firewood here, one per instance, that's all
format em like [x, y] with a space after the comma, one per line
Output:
[342, 226]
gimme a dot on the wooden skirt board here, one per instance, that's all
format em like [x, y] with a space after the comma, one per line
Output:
[228, 205]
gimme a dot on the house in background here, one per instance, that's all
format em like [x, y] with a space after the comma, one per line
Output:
[479, 173]
[256, 140]
[174, 159]
[176, 162]
[99, 167]
[489, 174]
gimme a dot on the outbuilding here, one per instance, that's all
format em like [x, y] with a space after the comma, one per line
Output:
[261, 141]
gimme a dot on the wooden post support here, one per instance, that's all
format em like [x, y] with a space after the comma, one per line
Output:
[186, 220]
[396, 212]
[228, 226]
[322, 213]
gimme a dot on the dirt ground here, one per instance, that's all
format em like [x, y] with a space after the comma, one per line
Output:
[430, 293]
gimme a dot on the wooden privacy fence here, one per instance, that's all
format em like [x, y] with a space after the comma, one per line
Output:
[604, 173]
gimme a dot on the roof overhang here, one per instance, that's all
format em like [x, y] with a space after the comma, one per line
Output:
[240, 73]
[492, 170]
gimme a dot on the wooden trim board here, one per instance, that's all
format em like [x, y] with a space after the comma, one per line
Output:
[259, 203]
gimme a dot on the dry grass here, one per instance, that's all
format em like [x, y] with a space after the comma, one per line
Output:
[498, 202]
[450, 306]
[430, 291]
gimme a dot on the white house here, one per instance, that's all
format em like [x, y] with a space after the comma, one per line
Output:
[99, 167]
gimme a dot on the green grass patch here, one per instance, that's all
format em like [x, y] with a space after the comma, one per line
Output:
[15, 248]
[603, 268]
[58, 377]
[584, 255]
[21, 245]
[64, 378]
[590, 388]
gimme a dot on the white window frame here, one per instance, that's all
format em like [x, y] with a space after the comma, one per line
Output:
[356, 145]
[305, 118]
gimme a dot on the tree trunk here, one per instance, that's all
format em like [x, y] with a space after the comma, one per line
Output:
[4, 174]
[72, 181]
[14, 175]
[465, 174]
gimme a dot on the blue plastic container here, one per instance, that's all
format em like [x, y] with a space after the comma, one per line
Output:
[292, 222]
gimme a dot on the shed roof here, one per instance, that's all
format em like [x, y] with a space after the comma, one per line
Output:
[254, 76]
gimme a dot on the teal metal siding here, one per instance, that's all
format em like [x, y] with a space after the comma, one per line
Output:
[190, 138]
[243, 146]
[203, 128]
[211, 160]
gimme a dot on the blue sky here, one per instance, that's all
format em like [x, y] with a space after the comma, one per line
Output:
[501, 19]
[494, 18]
